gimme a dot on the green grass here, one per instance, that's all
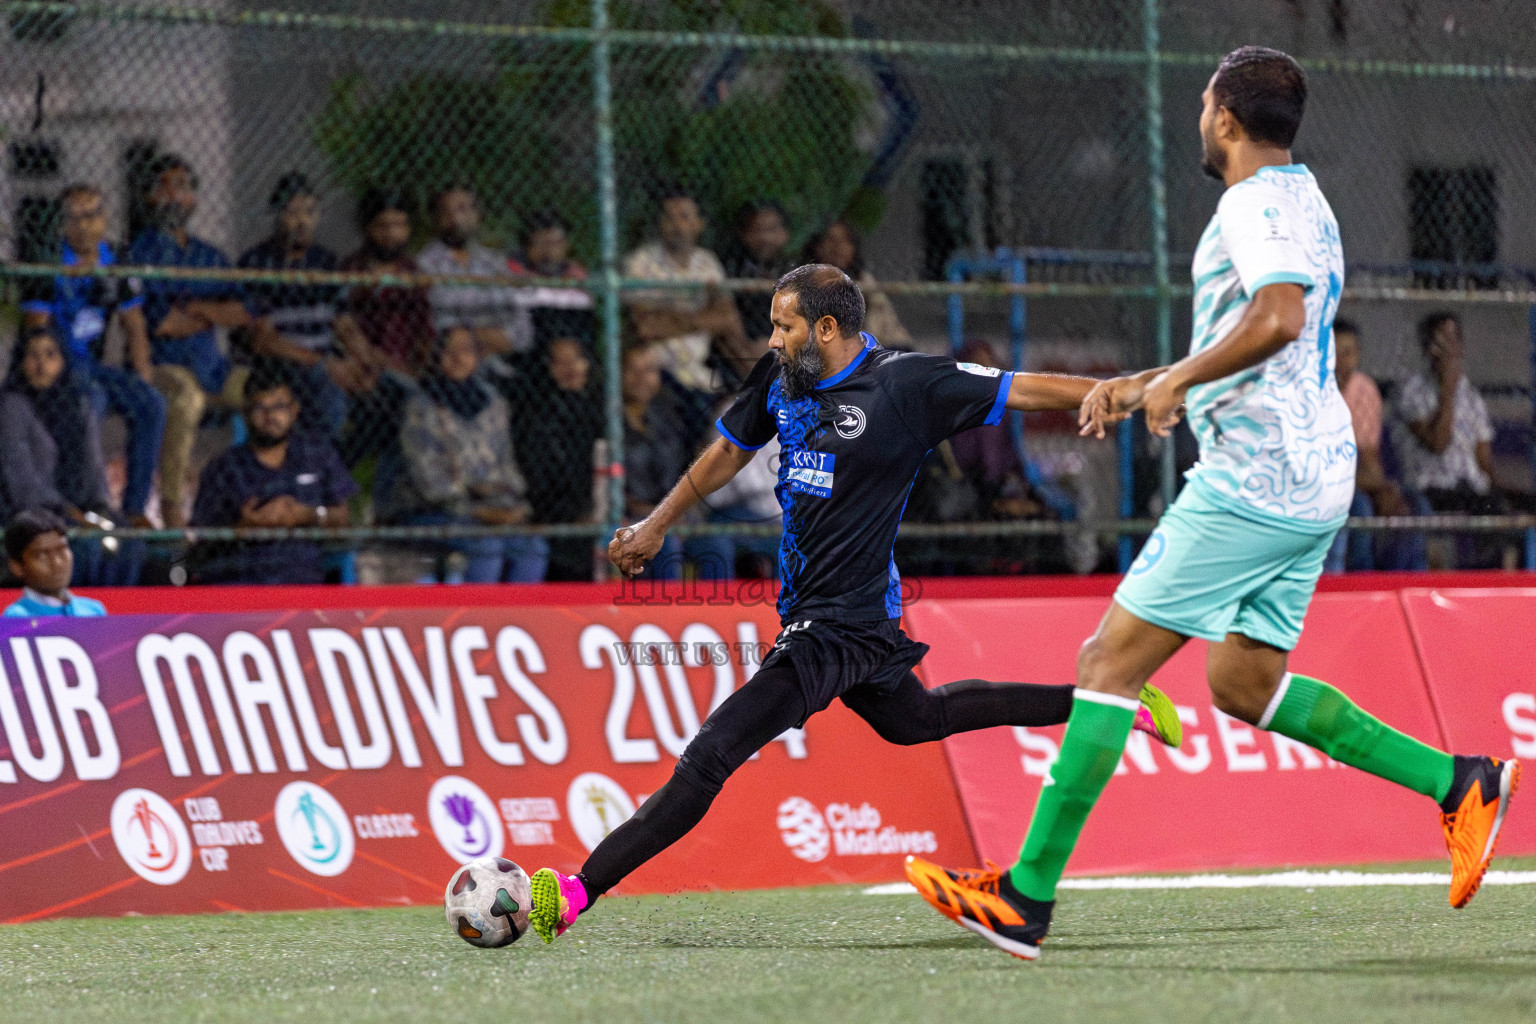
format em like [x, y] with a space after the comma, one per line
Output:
[831, 954]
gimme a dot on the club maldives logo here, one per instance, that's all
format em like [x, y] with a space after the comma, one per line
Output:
[314, 828]
[842, 829]
[804, 830]
[150, 836]
[596, 806]
[464, 819]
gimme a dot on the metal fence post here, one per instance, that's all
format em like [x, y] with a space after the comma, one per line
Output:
[608, 217]
[1158, 187]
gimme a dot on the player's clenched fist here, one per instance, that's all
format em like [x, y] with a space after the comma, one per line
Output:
[632, 547]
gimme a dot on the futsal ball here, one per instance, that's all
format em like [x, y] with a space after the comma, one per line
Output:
[487, 902]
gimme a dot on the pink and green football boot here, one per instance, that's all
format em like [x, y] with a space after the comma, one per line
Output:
[1158, 717]
[557, 900]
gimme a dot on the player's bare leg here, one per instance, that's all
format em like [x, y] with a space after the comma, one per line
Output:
[1249, 681]
[1012, 909]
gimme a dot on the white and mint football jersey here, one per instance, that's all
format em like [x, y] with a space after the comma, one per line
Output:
[1276, 441]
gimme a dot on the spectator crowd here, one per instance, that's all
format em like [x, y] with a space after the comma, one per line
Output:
[458, 404]
[480, 404]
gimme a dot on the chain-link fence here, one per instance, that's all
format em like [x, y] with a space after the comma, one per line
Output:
[493, 267]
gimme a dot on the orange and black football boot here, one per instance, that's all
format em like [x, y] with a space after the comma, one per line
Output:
[985, 902]
[1472, 815]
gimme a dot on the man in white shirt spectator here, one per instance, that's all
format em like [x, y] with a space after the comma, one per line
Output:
[687, 324]
[1447, 448]
[494, 314]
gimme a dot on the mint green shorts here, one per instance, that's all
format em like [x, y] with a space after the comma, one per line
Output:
[1207, 571]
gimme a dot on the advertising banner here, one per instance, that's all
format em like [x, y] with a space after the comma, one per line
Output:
[1476, 647]
[1232, 795]
[288, 759]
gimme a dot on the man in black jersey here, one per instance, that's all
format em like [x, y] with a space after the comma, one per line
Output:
[855, 422]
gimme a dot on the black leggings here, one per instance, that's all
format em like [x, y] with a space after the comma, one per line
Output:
[770, 703]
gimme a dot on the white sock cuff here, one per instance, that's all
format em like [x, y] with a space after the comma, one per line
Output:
[1114, 701]
[1275, 701]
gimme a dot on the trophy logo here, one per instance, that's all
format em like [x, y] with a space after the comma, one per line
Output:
[596, 806]
[464, 819]
[314, 828]
[150, 836]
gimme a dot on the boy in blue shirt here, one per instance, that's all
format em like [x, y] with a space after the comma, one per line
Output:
[39, 556]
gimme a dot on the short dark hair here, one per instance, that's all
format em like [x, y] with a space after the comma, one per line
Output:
[1431, 323]
[288, 188]
[1266, 91]
[436, 201]
[163, 163]
[821, 289]
[78, 188]
[1344, 325]
[381, 198]
[747, 212]
[26, 527]
[543, 220]
[262, 380]
[675, 192]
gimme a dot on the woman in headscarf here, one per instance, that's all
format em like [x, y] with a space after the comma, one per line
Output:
[51, 440]
[840, 246]
[557, 417]
[456, 441]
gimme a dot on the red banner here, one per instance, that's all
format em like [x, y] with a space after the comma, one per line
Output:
[1484, 687]
[1232, 795]
[280, 760]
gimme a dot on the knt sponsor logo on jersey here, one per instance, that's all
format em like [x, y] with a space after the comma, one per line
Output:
[811, 472]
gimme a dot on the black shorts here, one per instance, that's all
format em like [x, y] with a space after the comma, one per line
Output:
[830, 658]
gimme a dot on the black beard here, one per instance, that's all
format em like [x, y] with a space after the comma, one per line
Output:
[799, 376]
[1213, 163]
[262, 441]
[454, 239]
[379, 254]
[171, 218]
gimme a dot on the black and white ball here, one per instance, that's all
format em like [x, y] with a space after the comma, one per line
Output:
[487, 902]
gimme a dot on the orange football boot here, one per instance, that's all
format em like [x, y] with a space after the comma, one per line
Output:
[1472, 815]
[985, 902]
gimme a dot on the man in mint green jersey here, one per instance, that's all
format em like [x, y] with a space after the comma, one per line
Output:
[1235, 559]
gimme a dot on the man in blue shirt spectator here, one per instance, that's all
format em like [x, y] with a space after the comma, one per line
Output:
[183, 317]
[298, 328]
[78, 310]
[39, 555]
[279, 477]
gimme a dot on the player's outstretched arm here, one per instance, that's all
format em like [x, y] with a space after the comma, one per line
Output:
[1274, 319]
[1032, 392]
[633, 546]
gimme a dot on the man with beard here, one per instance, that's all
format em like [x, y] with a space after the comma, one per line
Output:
[493, 313]
[294, 327]
[855, 421]
[184, 317]
[394, 323]
[277, 478]
[1236, 557]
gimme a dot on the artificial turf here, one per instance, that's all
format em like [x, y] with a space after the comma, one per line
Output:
[806, 955]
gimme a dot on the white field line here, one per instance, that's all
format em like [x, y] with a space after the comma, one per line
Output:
[1278, 880]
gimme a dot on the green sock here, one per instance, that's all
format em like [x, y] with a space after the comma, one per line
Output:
[1320, 716]
[1095, 739]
